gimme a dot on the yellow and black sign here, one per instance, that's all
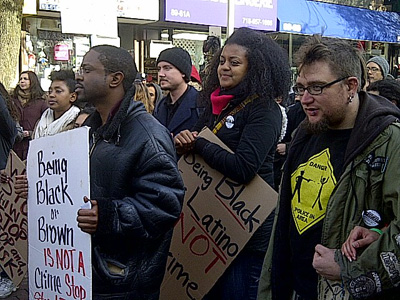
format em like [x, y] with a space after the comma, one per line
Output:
[312, 184]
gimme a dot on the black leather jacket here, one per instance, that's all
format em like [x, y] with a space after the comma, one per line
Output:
[8, 133]
[135, 179]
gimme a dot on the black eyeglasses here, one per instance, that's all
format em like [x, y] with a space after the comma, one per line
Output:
[373, 69]
[315, 89]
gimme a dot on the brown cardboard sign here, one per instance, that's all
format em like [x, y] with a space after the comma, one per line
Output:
[13, 224]
[218, 218]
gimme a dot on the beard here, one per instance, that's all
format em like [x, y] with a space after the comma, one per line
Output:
[315, 128]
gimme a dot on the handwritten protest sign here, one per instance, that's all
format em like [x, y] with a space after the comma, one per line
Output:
[13, 224]
[218, 218]
[59, 252]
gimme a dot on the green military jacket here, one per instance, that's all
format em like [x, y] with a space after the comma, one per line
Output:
[370, 181]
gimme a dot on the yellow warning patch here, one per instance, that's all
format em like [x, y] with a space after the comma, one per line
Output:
[312, 184]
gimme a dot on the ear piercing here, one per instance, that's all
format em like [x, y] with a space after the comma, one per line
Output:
[350, 98]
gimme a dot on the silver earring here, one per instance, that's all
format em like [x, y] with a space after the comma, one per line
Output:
[350, 98]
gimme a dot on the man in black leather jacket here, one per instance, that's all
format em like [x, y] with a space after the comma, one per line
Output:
[136, 188]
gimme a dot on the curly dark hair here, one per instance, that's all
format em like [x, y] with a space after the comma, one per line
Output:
[268, 74]
[67, 76]
[211, 44]
[35, 89]
[116, 59]
[343, 59]
[388, 88]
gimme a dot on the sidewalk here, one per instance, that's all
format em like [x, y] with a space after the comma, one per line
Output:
[21, 293]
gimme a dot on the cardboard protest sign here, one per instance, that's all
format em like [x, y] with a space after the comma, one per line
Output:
[218, 218]
[13, 224]
[59, 252]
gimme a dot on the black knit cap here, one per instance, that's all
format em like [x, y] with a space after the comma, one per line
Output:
[178, 57]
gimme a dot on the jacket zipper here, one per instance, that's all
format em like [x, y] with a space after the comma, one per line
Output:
[96, 139]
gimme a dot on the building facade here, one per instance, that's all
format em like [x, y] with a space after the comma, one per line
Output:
[56, 37]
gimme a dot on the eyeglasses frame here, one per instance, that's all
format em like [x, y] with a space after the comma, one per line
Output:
[322, 87]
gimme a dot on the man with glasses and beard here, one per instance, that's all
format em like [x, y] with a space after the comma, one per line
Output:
[344, 163]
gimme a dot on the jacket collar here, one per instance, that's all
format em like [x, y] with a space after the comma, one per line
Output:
[184, 111]
[374, 115]
[112, 125]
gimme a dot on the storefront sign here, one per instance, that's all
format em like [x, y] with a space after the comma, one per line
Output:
[94, 17]
[218, 218]
[259, 15]
[13, 224]
[59, 251]
[61, 52]
[133, 9]
[53, 5]
[138, 9]
[54, 35]
[29, 7]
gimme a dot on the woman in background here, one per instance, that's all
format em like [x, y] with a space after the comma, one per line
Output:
[156, 94]
[142, 94]
[29, 99]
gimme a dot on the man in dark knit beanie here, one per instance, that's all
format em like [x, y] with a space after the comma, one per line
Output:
[179, 58]
[178, 110]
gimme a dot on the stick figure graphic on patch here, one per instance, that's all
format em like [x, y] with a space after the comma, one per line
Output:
[312, 184]
[323, 181]
[297, 188]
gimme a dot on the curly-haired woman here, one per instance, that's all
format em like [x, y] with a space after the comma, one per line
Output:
[246, 77]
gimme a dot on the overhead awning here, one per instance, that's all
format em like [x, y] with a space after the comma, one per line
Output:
[332, 20]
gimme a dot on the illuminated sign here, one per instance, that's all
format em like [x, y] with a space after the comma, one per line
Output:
[259, 15]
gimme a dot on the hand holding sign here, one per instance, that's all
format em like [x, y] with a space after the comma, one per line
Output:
[21, 186]
[88, 218]
[218, 218]
[4, 178]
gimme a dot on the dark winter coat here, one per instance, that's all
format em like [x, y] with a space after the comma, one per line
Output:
[135, 179]
[29, 115]
[253, 139]
[8, 133]
[185, 116]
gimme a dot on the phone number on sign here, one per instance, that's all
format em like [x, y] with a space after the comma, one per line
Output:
[255, 21]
